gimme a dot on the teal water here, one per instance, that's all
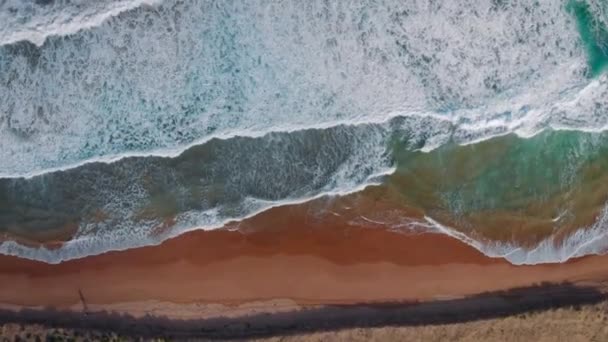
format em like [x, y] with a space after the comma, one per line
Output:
[594, 35]
[510, 188]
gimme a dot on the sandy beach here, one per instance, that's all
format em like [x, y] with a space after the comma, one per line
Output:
[296, 263]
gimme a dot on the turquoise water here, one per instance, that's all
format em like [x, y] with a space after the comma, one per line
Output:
[551, 182]
[593, 33]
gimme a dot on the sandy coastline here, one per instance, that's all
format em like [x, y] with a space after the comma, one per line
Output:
[277, 260]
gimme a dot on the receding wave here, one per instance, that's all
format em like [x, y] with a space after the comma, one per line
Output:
[138, 200]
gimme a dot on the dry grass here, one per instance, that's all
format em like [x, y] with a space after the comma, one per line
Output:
[587, 323]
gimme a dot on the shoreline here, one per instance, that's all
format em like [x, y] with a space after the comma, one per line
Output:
[284, 272]
[281, 255]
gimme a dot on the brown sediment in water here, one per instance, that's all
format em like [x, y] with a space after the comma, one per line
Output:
[452, 185]
[292, 253]
[52, 239]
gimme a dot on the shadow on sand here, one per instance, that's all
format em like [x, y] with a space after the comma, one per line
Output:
[331, 317]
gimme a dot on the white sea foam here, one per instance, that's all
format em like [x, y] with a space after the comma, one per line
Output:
[584, 241]
[35, 21]
[158, 80]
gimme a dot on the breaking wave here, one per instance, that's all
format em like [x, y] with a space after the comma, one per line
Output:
[158, 79]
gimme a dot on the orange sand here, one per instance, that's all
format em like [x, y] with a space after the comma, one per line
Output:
[278, 255]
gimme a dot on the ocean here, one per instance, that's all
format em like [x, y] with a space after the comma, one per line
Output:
[126, 123]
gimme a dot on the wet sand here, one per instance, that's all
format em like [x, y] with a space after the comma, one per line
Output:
[279, 260]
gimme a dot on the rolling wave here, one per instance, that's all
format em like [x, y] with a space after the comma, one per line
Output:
[35, 21]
